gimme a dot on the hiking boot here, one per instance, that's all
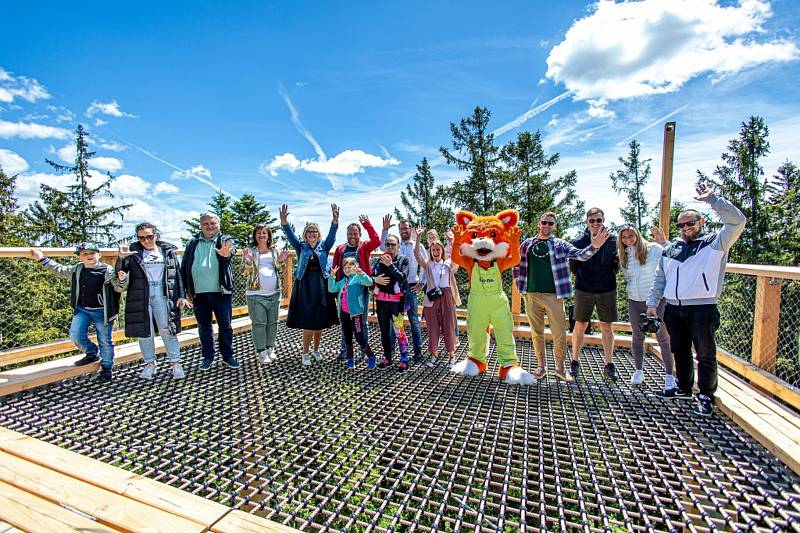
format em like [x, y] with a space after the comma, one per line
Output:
[704, 405]
[611, 372]
[148, 371]
[637, 378]
[87, 360]
[105, 375]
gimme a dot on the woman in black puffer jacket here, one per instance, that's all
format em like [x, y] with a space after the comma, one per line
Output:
[155, 296]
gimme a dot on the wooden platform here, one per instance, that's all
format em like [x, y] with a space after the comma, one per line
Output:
[46, 488]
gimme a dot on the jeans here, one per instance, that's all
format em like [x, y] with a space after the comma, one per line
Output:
[264, 315]
[220, 304]
[413, 318]
[159, 312]
[79, 334]
[694, 325]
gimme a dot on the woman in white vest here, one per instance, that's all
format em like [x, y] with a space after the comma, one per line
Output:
[638, 259]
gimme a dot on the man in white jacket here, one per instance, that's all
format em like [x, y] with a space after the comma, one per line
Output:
[690, 276]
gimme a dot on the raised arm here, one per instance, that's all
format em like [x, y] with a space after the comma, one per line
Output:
[374, 239]
[733, 219]
[421, 259]
[513, 257]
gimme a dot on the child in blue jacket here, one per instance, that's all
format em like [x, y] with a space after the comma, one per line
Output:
[352, 303]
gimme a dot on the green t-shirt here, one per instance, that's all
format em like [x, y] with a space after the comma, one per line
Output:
[540, 274]
[205, 268]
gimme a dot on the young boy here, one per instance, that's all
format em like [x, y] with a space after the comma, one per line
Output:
[94, 297]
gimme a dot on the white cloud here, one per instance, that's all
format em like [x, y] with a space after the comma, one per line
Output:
[632, 49]
[128, 185]
[110, 108]
[346, 163]
[67, 153]
[162, 187]
[28, 89]
[193, 172]
[100, 122]
[11, 162]
[62, 114]
[598, 109]
[9, 130]
[113, 146]
[110, 164]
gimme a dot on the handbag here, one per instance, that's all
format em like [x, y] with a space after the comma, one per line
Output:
[436, 292]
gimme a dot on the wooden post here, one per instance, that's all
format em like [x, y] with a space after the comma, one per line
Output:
[516, 306]
[288, 276]
[667, 160]
[765, 323]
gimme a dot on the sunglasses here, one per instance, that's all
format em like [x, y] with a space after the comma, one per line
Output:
[146, 237]
[691, 223]
[391, 244]
[547, 222]
[595, 220]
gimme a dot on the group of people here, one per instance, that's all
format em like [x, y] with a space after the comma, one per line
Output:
[676, 284]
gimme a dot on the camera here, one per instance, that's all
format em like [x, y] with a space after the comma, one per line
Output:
[649, 324]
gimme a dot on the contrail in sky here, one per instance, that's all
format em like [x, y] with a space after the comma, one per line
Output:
[652, 124]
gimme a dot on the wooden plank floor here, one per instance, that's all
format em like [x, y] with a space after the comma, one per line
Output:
[46, 488]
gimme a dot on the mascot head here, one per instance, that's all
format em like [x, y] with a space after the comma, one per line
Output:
[487, 238]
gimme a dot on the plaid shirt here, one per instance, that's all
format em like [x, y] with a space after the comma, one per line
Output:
[560, 253]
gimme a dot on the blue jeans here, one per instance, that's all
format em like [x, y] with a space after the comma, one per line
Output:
[413, 318]
[159, 312]
[220, 304]
[343, 344]
[79, 334]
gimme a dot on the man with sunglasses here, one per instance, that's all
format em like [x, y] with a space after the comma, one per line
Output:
[542, 277]
[595, 287]
[690, 275]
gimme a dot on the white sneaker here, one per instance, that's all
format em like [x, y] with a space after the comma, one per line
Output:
[317, 356]
[148, 371]
[306, 359]
[271, 355]
[263, 357]
[177, 371]
[637, 378]
[432, 361]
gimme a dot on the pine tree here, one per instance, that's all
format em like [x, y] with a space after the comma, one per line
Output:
[740, 179]
[10, 220]
[781, 208]
[631, 181]
[64, 218]
[529, 187]
[424, 202]
[475, 152]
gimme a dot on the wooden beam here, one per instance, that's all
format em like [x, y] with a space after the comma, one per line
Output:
[516, 299]
[764, 350]
[770, 271]
[241, 522]
[667, 159]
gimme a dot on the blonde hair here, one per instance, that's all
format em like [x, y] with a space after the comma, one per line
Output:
[640, 247]
[312, 225]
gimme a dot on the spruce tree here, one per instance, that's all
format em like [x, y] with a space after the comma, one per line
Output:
[781, 208]
[474, 151]
[64, 218]
[246, 212]
[529, 187]
[424, 202]
[631, 181]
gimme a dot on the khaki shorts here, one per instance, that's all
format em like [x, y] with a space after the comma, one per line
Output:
[606, 303]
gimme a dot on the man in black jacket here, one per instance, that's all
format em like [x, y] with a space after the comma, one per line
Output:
[595, 287]
[207, 272]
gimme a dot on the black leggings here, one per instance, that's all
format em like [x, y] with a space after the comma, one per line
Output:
[388, 312]
[351, 325]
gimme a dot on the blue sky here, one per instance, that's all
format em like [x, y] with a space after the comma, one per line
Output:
[308, 103]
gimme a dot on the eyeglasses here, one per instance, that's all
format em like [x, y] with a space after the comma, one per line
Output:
[595, 220]
[690, 223]
[146, 237]
[547, 222]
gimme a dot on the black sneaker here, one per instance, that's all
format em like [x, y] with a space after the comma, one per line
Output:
[684, 395]
[704, 405]
[611, 372]
[87, 360]
[105, 375]
[206, 363]
[231, 361]
[417, 358]
[670, 394]
[574, 368]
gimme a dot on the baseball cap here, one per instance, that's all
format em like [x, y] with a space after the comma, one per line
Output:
[86, 246]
